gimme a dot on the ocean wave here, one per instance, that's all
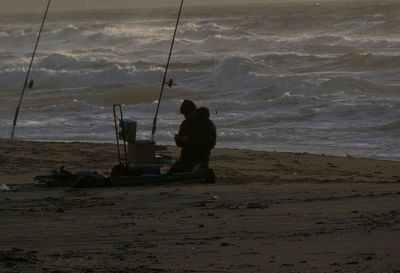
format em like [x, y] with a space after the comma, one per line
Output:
[349, 85]
[136, 95]
[366, 62]
[67, 62]
[352, 62]
[321, 39]
[384, 28]
[222, 43]
[69, 31]
[72, 36]
[388, 127]
[302, 74]
[17, 38]
[45, 78]
[288, 74]
[197, 31]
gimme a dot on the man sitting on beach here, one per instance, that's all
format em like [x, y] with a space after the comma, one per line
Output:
[197, 136]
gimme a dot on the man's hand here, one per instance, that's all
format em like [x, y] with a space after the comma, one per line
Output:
[179, 140]
[184, 139]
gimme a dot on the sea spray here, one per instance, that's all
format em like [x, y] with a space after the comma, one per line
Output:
[285, 77]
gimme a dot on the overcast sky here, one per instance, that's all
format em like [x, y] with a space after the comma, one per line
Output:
[13, 6]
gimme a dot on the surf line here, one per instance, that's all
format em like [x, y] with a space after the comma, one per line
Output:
[27, 74]
[170, 83]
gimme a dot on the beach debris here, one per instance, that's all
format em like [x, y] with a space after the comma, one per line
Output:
[4, 187]
[62, 177]
[17, 256]
[352, 262]
[232, 206]
[206, 204]
[331, 165]
[258, 205]
[215, 197]
[31, 83]
[107, 203]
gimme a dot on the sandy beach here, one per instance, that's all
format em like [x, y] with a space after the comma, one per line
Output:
[267, 212]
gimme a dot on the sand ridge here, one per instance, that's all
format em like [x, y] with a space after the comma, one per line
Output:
[268, 212]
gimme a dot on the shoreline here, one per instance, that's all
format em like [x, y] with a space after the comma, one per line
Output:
[20, 161]
[322, 151]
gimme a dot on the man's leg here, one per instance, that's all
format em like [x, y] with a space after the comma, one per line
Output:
[180, 167]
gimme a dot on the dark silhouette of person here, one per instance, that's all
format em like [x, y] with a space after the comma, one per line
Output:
[197, 136]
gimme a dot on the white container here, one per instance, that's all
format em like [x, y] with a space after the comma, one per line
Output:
[128, 130]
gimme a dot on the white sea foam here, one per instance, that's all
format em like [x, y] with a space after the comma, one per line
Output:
[275, 76]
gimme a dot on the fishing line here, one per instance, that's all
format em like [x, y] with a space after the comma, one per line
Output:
[165, 74]
[27, 74]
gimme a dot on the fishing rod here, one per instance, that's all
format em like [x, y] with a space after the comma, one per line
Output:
[165, 75]
[27, 74]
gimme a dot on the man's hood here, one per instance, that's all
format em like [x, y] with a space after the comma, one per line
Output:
[203, 112]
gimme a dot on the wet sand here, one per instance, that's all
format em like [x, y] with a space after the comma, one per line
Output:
[268, 212]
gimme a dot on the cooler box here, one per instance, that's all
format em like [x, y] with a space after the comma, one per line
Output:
[142, 152]
[128, 130]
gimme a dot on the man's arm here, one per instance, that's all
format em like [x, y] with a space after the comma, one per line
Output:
[204, 138]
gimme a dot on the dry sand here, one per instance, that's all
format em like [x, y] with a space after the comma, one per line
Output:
[268, 212]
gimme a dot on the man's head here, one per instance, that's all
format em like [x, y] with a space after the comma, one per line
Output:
[188, 109]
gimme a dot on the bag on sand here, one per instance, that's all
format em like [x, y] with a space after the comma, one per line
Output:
[64, 178]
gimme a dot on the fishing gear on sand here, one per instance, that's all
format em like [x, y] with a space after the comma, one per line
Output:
[170, 82]
[30, 85]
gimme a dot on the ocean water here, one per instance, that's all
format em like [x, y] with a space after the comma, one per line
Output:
[301, 77]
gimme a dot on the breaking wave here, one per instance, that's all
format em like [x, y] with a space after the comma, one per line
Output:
[273, 75]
